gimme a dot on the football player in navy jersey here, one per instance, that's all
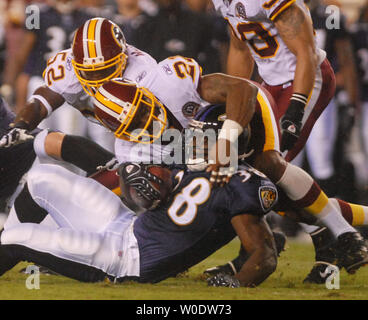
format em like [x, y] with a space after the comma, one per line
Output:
[97, 237]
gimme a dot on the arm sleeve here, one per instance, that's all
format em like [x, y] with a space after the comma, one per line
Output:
[84, 153]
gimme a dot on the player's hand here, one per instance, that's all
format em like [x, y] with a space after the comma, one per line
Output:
[223, 280]
[220, 164]
[110, 165]
[291, 124]
[15, 136]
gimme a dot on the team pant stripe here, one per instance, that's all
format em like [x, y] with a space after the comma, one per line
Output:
[319, 204]
[310, 197]
[271, 136]
[346, 211]
[358, 214]
[92, 39]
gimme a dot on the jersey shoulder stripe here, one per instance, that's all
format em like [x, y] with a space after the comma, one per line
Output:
[281, 7]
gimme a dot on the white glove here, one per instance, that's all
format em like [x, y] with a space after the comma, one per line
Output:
[14, 137]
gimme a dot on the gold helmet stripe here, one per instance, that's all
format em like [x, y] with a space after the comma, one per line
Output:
[111, 101]
[92, 38]
[98, 37]
[102, 106]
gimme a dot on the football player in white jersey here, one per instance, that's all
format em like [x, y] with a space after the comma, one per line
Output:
[129, 111]
[100, 54]
[278, 36]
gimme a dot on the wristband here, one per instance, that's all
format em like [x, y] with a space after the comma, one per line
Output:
[20, 125]
[44, 102]
[230, 130]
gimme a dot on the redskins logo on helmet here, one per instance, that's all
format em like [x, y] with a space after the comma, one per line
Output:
[99, 50]
[133, 113]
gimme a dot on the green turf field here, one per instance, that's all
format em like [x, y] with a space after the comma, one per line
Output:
[285, 283]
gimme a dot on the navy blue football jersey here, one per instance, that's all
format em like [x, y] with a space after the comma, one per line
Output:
[196, 220]
[54, 35]
[359, 33]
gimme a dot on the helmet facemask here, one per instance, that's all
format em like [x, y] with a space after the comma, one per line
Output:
[92, 76]
[143, 120]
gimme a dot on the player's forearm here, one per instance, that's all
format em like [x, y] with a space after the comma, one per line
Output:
[240, 63]
[38, 108]
[30, 116]
[238, 94]
[259, 266]
[305, 72]
[296, 30]
[241, 102]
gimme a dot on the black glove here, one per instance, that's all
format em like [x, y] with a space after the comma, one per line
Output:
[291, 124]
[136, 175]
[17, 135]
[223, 280]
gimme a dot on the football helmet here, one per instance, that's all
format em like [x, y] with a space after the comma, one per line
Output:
[133, 113]
[99, 53]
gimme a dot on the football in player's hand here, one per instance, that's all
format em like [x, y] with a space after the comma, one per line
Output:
[144, 186]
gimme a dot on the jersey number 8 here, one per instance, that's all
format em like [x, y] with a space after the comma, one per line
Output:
[184, 208]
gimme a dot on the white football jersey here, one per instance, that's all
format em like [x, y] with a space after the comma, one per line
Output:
[174, 81]
[60, 77]
[253, 21]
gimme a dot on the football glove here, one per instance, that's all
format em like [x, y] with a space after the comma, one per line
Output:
[137, 176]
[291, 123]
[223, 280]
[15, 136]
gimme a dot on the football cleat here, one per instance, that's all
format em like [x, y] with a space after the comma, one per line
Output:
[227, 268]
[352, 251]
[320, 272]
